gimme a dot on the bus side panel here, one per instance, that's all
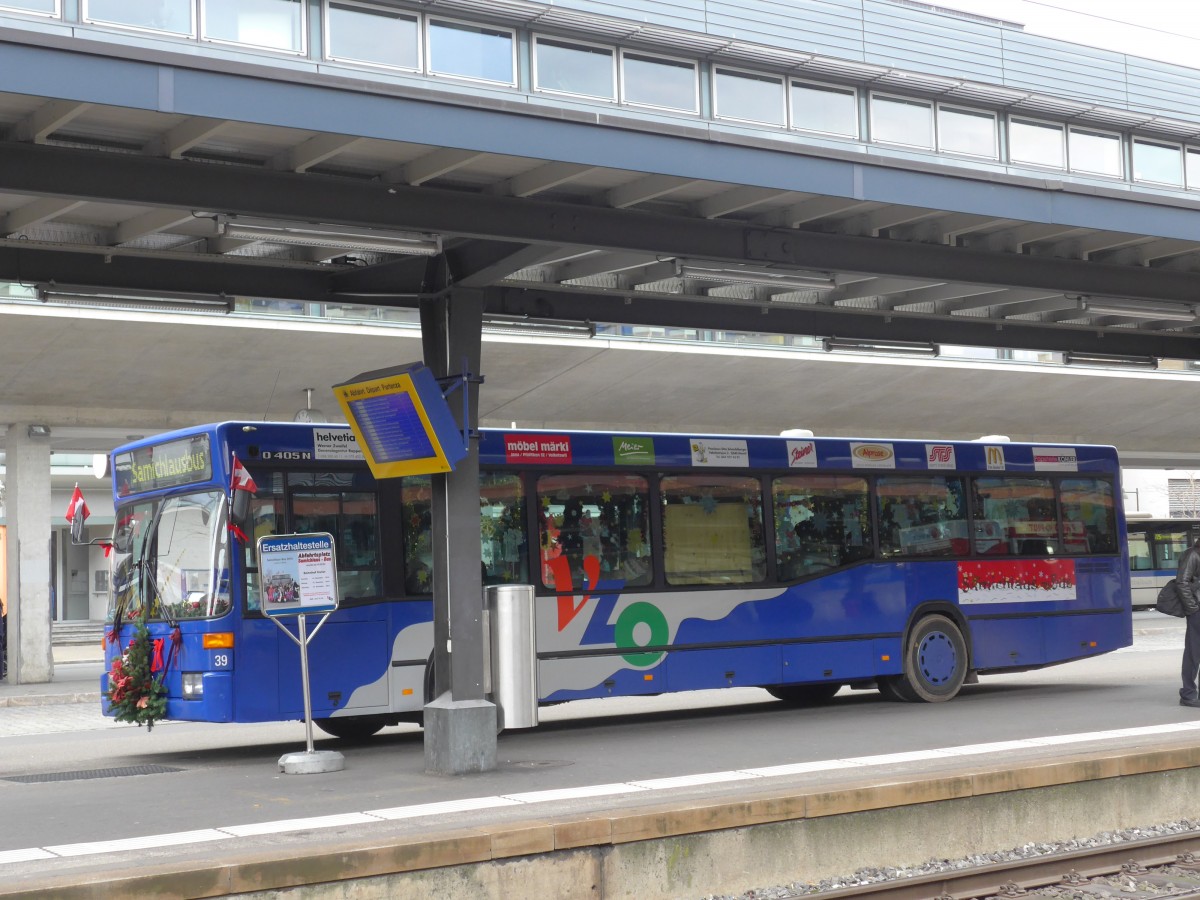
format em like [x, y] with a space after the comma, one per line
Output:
[829, 661]
[865, 603]
[1006, 643]
[693, 670]
[345, 660]
[1068, 637]
[621, 680]
[864, 600]
[366, 660]
[1147, 584]
[349, 657]
[256, 671]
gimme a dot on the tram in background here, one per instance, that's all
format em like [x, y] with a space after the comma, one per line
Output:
[660, 563]
[1155, 546]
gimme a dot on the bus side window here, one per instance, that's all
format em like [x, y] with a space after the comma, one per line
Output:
[593, 527]
[1168, 546]
[1023, 512]
[502, 529]
[416, 499]
[1139, 552]
[1089, 516]
[266, 518]
[922, 516]
[713, 529]
[821, 522]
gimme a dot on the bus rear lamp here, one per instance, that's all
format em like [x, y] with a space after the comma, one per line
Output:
[218, 640]
[193, 685]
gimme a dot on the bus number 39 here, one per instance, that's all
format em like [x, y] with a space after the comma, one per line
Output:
[220, 660]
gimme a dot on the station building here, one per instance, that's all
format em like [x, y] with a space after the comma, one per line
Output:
[1006, 225]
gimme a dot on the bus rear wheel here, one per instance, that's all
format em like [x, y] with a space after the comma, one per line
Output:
[803, 694]
[351, 728]
[935, 664]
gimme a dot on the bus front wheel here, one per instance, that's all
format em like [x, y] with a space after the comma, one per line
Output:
[935, 664]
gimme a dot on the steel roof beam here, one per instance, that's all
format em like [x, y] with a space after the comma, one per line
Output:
[940, 293]
[807, 211]
[47, 119]
[874, 287]
[481, 263]
[151, 222]
[1014, 240]
[105, 267]
[816, 319]
[314, 151]
[1001, 298]
[112, 177]
[183, 137]
[644, 189]
[539, 179]
[600, 264]
[1148, 252]
[38, 212]
[735, 200]
[430, 166]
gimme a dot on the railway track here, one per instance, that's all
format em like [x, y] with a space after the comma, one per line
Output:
[1167, 867]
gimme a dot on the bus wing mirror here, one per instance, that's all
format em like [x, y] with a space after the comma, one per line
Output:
[122, 540]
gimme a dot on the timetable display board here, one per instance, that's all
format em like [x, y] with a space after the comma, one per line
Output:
[401, 421]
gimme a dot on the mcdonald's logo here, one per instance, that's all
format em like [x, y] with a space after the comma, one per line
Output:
[995, 457]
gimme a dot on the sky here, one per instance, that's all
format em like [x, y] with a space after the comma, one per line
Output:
[1167, 30]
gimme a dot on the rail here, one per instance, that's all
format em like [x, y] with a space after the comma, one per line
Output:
[1166, 866]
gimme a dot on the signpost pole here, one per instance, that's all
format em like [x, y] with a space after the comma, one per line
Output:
[298, 575]
[304, 681]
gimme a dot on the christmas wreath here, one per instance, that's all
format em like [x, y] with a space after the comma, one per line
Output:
[135, 694]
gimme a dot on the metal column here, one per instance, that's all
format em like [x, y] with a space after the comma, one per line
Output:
[460, 723]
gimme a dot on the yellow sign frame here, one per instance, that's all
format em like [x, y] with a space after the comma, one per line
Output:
[399, 383]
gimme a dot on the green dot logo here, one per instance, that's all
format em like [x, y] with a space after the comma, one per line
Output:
[653, 633]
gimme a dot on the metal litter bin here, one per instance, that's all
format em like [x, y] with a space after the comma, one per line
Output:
[513, 646]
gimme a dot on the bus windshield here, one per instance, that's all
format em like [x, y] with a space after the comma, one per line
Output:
[171, 553]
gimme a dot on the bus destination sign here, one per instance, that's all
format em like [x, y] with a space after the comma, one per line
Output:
[166, 465]
[401, 421]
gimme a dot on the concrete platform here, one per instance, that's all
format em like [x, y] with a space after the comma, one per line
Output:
[688, 837]
[610, 815]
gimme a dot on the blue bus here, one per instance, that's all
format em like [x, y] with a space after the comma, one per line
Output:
[660, 563]
[1155, 546]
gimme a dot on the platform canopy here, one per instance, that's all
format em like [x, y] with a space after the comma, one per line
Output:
[133, 171]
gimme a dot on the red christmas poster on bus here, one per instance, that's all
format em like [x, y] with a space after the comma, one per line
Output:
[1016, 581]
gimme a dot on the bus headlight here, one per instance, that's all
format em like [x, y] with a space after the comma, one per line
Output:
[193, 685]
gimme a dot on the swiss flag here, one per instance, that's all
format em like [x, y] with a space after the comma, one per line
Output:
[241, 480]
[77, 512]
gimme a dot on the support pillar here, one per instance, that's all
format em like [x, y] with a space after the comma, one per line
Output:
[28, 514]
[460, 723]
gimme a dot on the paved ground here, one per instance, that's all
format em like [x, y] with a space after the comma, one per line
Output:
[628, 774]
[71, 701]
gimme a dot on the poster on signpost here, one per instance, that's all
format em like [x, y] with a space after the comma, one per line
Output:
[297, 573]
